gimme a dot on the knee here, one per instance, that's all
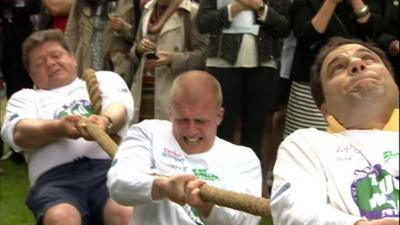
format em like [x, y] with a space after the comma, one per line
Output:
[62, 214]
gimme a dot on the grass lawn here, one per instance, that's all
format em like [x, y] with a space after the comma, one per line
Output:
[266, 221]
[14, 187]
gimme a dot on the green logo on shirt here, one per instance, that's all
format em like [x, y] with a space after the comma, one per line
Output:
[78, 107]
[376, 192]
[388, 155]
[204, 174]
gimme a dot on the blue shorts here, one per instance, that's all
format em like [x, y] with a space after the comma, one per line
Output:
[81, 183]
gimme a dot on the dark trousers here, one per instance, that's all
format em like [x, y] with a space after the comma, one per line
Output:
[248, 96]
[15, 75]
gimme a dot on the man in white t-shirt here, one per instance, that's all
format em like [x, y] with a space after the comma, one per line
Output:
[348, 175]
[160, 165]
[67, 170]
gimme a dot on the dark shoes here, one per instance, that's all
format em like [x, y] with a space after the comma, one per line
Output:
[14, 156]
[17, 157]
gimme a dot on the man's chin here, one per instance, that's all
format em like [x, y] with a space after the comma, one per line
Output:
[193, 149]
[365, 88]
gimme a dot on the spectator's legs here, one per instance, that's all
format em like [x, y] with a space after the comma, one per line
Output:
[15, 75]
[258, 96]
[231, 85]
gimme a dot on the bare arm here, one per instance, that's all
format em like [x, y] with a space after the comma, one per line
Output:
[236, 8]
[118, 114]
[58, 7]
[251, 4]
[321, 20]
[31, 134]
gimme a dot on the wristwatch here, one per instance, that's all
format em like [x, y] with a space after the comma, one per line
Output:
[110, 125]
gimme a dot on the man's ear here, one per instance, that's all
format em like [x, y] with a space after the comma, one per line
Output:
[169, 111]
[324, 110]
[221, 115]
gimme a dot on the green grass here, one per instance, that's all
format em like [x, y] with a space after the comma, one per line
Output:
[14, 186]
[266, 221]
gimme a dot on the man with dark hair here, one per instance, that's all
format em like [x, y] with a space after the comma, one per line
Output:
[67, 171]
[349, 174]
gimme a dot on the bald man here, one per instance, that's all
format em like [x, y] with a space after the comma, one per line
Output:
[160, 165]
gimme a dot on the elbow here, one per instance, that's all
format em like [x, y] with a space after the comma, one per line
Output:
[113, 187]
[116, 189]
[20, 140]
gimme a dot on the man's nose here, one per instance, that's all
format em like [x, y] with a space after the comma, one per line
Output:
[50, 61]
[356, 66]
[191, 128]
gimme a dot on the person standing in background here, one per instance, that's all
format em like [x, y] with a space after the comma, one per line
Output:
[54, 14]
[178, 47]
[15, 17]
[389, 41]
[245, 47]
[16, 25]
[101, 35]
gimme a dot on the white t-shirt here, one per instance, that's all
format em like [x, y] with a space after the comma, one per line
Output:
[72, 99]
[337, 179]
[149, 147]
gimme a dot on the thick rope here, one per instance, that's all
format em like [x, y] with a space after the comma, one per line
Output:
[239, 201]
[93, 87]
[102, 138]
[89, 76]
[243, 202]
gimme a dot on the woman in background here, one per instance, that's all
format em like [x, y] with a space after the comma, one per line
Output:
[101, 38]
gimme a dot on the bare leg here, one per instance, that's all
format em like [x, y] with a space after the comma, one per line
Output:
[62, 214]
[115, 214]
